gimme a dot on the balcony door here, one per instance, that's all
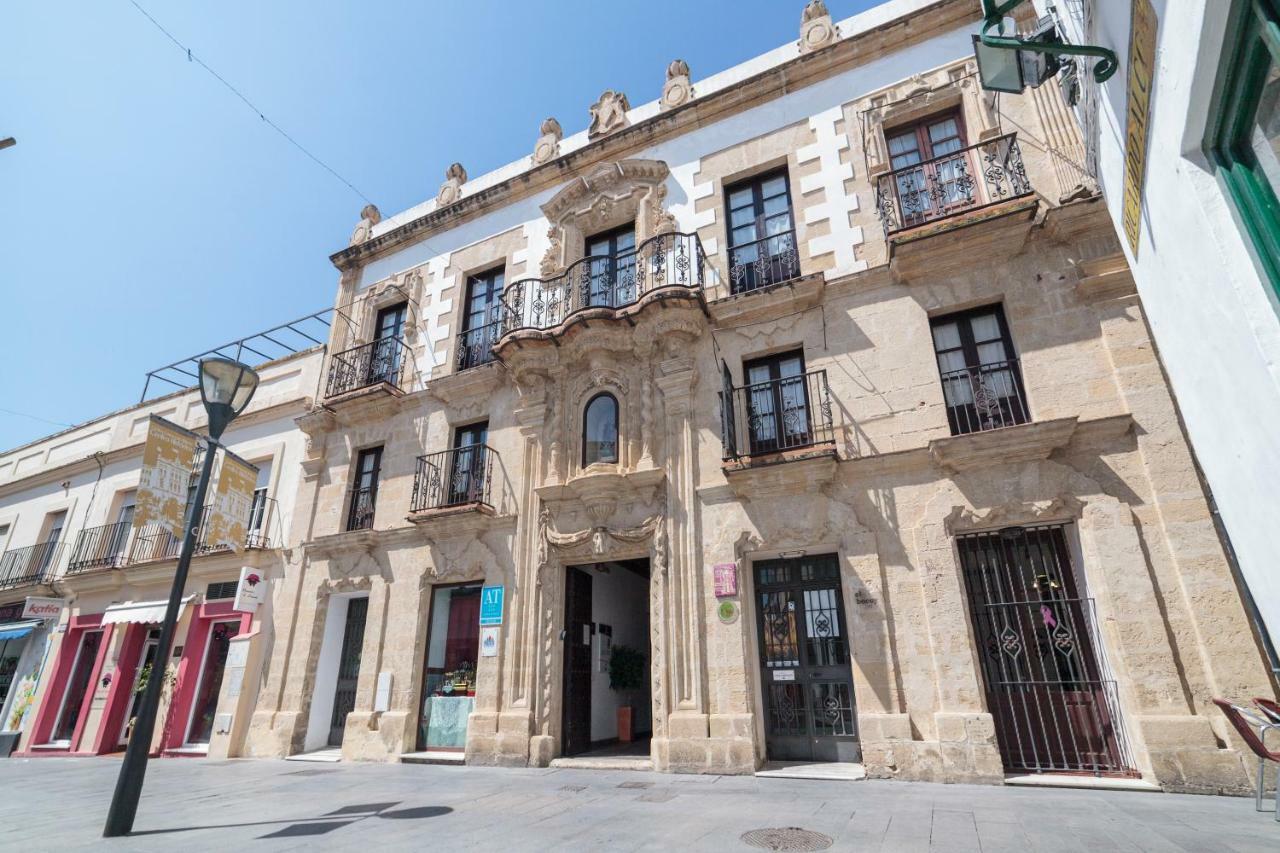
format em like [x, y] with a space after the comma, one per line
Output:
[120, 533]
[48, 553]
[762, 237]
[931, 171]
[777, 403]
[480, 322]
[364, 489]
[466, 479]
[981, 382]
[384, 360]
[612, 268]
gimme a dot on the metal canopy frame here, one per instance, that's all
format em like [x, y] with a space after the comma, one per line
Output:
[277, 342]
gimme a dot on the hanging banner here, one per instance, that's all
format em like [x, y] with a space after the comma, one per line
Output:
[166, 473]
[228, 517]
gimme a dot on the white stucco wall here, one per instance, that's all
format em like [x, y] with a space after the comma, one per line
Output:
[1214, 316]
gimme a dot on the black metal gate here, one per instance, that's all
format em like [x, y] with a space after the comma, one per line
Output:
[1053, 709]
[804, 661]
[344, 694]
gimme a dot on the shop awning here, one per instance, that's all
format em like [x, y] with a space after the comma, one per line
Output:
[17, 630]
[140, 612]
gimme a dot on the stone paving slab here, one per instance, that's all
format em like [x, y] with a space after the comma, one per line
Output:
[193, 805]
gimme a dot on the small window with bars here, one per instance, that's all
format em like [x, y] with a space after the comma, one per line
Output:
[220, 590]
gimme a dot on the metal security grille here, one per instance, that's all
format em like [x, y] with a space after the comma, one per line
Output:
[344, 694]
[1054, 711]
[220, 589]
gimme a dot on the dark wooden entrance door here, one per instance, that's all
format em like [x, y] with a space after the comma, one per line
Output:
[344, 694]
[804, 661]
[577, 662]
[1054, 711]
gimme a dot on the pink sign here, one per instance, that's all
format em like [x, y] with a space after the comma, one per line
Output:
[726, 578]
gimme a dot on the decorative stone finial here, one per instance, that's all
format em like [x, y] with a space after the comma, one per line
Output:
[548, 144]
[369, 217]
[454, 177]
[608, 114]
[677, 91]
[816, 29]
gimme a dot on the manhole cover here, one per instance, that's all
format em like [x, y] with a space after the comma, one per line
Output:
[786, 838]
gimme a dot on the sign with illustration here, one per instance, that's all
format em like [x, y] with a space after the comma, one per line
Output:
[726, 579]
[250, 591]
[489, 641]
[167, 461]
[232, 499]
[491, 605]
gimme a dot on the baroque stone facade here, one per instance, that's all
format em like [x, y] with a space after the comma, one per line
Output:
[784, 404]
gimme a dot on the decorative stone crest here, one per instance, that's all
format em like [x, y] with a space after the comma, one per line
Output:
[662, 221]
[454, 177]
[369, 217]
[608, 114]
[816, 29]
[678, 90]
[548, 145]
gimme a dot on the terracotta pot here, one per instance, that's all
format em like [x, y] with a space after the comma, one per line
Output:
[624, 724]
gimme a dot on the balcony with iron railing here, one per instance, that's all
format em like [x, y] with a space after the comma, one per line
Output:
[361, 503]
[953, 185]
[763, 263]
[383, 363]
[777, 420]
[29, 566]
[453, 479]
[985, 397]
[154, 542]
[674, 263]
[102, 547]
[475, 345]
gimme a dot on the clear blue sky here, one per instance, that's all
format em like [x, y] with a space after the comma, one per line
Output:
[148, 215]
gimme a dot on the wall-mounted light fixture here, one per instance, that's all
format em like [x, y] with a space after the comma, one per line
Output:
[1010, 63]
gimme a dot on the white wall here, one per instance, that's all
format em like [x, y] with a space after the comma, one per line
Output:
[619, 599]
[1214, 316]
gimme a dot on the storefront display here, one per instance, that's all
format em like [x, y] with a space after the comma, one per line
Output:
[453, 644]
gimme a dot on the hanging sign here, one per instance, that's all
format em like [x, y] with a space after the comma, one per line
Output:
[726, 579]
[491, 605]
[250, 591]
[166, 473]
[228, 518]
[1142, 57]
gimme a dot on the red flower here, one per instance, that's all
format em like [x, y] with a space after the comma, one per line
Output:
[252, 579]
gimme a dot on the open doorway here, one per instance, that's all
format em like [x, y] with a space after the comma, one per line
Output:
[606, 702]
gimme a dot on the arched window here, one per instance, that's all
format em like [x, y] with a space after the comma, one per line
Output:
[600, 430]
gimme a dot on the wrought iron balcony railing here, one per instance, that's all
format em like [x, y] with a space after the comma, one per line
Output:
[986, 397]
[382, 361]
[961, 181]
[475, 345]
[605, 281]
[153, 542]
[761, 263]
[29, 566]
[463, 475]
[781, 414]
[103, 547]
[360, 509]
[264, 525]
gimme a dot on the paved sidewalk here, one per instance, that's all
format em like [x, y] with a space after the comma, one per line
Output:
[190, 805]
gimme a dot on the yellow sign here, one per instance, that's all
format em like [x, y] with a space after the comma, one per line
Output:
[232, 500]
[1142, 57]
[166, 472]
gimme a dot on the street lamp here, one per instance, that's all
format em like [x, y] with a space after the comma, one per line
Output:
[226, 387]
[1010, 63]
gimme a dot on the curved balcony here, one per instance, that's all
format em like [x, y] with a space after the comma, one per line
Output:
[672, 262]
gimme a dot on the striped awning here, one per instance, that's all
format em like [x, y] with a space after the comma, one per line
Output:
[18, 630]
[140, 612]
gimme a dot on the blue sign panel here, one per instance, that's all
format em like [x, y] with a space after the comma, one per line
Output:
[491, 605]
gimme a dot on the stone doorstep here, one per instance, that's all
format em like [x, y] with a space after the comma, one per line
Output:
[825, 771]
[1096, 783]
[330, 755]
[434, 756]
[603, 763]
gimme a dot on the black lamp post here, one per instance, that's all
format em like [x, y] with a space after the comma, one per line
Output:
[226, 387]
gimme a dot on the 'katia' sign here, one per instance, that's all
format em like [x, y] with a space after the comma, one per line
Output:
[42, 608]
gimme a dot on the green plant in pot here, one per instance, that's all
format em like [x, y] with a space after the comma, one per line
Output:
[626, 675]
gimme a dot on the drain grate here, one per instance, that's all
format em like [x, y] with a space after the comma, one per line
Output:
[786, 838]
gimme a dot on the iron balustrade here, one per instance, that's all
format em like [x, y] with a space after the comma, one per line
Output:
[605, 281]
[463, 475]
[475, 345]
[963, 180]
[155, 542]
[29, 566]
[103, 547]
[263, 529]
[374, 363]
[764, 262]
[985, 397]
[777, 415]
[361, 507]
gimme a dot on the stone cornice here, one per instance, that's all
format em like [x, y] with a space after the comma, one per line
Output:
[804, 70]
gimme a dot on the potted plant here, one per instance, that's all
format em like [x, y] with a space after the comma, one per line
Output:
[626, 675]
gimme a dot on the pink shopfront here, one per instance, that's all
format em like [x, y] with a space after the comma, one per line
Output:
[90, 693]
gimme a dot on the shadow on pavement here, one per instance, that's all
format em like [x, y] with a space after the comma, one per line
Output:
[318, 825]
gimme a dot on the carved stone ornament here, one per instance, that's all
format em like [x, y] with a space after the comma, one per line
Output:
[678, 90]
[369, 217]
[1065, 508]
[608, 114]
[816, 29]
[454, 177]
[548, 144]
